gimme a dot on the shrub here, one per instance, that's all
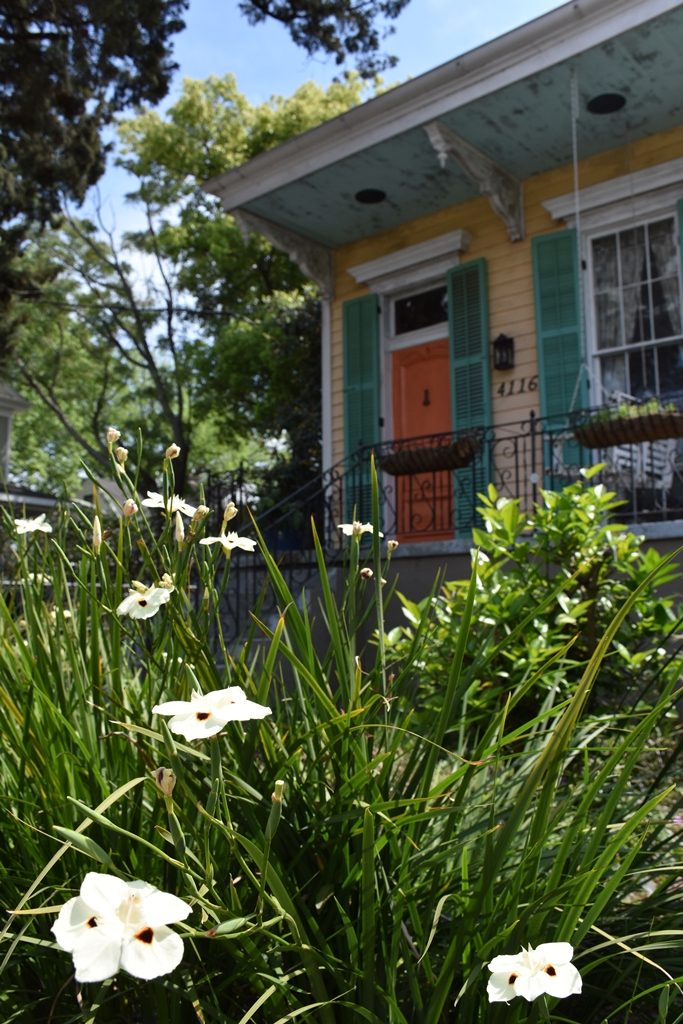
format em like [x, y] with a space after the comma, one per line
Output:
[400, 851]
[546, 580]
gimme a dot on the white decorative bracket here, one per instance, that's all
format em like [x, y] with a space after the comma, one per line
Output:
[313, 259]
[503, 190]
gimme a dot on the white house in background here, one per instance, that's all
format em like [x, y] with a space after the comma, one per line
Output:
[22, 500]
[10, 403]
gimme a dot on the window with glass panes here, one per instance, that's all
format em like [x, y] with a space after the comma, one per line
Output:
[637, 310]
[420, 309]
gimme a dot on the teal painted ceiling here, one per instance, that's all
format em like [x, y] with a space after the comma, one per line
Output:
[525, 127]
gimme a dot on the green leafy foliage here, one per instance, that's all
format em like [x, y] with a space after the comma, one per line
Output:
[339, 28]
[351, 857]
[546, 580]
[185, 330]
[67, 69]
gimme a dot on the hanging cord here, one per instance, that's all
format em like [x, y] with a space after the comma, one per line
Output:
[574, 94]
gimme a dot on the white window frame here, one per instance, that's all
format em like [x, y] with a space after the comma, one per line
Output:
[410, 338]
[593, 353]
[612, 206]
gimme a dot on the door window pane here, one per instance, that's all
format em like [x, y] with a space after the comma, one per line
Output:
[421, 310]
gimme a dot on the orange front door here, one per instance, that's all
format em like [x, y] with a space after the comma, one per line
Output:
[422, 405]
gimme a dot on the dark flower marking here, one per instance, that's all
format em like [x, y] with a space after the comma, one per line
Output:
[92, 923]
[550, 970]
[202, 716]
[142, 602]
[146, 935]
[512, 979]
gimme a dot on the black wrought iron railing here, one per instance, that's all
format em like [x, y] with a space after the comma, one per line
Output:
[429, 491]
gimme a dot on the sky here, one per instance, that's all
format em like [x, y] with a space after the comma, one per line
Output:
[218, 40]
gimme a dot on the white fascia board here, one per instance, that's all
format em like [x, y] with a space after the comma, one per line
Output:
[625, 187]
[558, 36]
[21, 500]
[11, 401]
[412, 264]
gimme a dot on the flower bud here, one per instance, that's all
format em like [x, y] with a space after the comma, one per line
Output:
[112, 435]
[129, 508]
[172, 452]
[165, 779]
[96, 535]
[121, 454]
[138, 586]
[366, 573]
[230, 512]
[392, 545]
[276, 796]
[167, 582]
[179, 529]
[275, 811]
[201, 512]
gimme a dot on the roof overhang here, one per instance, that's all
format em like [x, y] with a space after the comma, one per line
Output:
[511, 102]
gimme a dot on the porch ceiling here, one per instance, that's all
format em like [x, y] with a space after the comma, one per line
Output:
[523, 124]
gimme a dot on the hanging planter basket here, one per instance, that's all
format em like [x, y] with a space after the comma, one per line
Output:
[653, 426]
[431, 459]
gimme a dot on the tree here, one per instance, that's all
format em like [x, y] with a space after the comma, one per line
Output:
[67, 69]
[100, 348]
[185, 329]
[336, 27]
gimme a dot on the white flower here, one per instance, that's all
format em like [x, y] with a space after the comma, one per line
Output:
[174, 504]
[33, 525]
[230, 541]
[533, 972]
[143, 604]
[207, 713]
[114, 924]
[356, 529]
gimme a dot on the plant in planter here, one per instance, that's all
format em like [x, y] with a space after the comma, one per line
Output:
[629, 423]
[423, 456]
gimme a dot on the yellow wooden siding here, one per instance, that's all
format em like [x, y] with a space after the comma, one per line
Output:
[511, 299]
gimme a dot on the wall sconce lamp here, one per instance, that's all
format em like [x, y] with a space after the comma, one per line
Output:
[503, 352]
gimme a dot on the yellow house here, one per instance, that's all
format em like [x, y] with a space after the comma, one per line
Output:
[497, 246]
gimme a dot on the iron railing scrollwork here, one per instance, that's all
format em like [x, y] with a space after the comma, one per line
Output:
[429, 490]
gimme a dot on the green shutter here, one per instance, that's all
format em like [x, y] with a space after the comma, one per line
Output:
[471, 391]
[561, 367]
[562, 376]
[361, 396]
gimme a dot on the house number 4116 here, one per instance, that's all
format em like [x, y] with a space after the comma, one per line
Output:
[517, 386]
